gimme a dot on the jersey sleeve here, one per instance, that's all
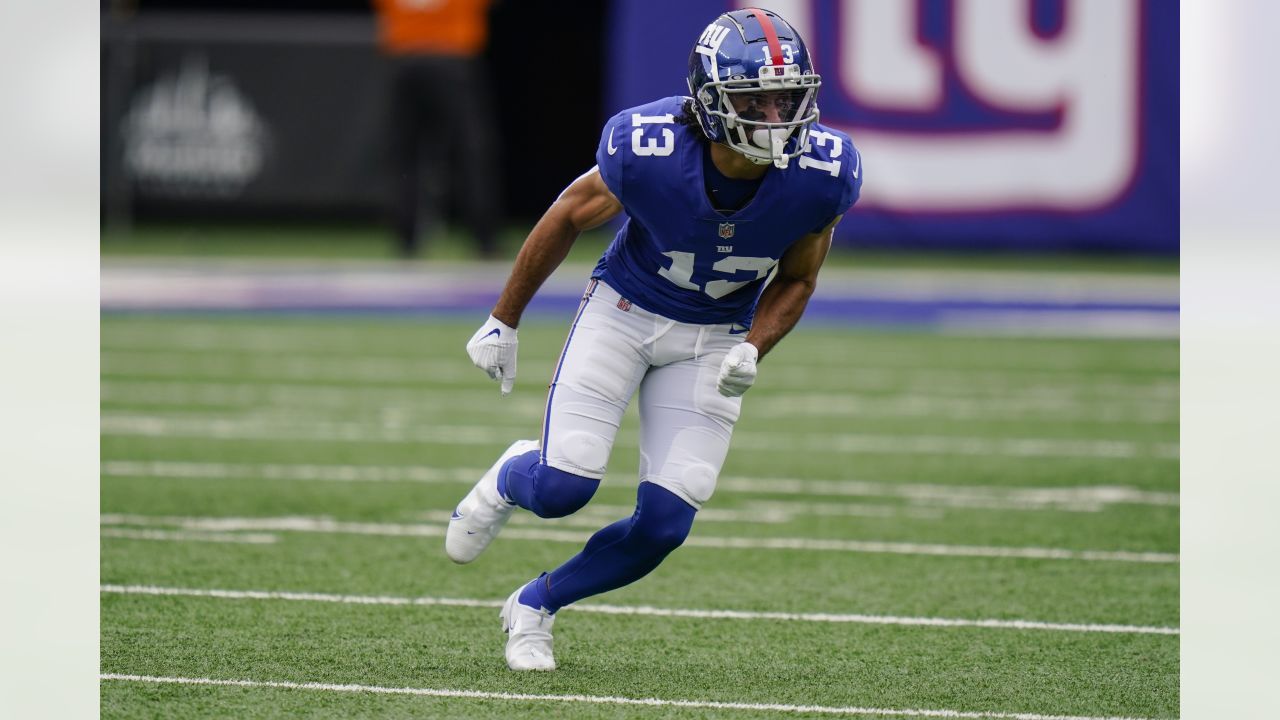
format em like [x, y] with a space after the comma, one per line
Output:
[612, 154]
[853, 184]
[850, 188]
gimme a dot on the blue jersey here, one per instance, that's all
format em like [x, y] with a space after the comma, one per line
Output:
[677, 256]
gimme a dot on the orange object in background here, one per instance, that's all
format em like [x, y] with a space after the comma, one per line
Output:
[433, 27]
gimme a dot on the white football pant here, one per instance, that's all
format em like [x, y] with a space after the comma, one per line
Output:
[615, 348]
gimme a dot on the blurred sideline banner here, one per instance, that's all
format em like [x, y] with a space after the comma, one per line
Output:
[243, 114]
[983, 124]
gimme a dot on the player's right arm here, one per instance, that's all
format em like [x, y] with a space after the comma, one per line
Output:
[585, 204]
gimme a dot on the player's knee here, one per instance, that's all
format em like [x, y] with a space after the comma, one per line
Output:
[557, 493]
[662, 522]
[581, 453]
[699, 481]
[660, 536]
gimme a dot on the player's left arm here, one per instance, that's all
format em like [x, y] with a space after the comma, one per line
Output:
[784, 300]
[779, 309]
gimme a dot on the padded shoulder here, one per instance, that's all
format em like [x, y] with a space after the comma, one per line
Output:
[644, 131]
[832, 166]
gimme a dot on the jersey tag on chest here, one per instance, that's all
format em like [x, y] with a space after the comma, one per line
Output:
[726, 230]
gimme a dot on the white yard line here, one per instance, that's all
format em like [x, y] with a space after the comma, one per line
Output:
[280, 471]
[337, 339]
[599, 699]
[594, 517]
[1051, 397]
[329, 525]
[390, 431]
[167, 358]
[1085, 498]
[410, 369]
[179, 536]
[1033, 354]
[351, 368]
[852, 443]
[934, 407]
[426, 402]
[311, 395]
[649, 610]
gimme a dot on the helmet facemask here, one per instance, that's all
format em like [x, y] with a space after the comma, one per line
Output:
[761, 116]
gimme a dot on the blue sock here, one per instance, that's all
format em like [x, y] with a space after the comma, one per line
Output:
[534, 594]
[502, 472]
[618, 554]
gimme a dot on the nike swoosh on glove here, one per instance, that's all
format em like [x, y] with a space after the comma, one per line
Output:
[738, 371]
[493, 350]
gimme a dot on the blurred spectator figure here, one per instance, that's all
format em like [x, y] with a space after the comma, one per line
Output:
[443, 139]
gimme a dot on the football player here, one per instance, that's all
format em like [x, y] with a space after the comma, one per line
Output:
[731, 196]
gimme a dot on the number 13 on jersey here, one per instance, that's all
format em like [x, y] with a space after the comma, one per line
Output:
[642, 146]
[681, 272]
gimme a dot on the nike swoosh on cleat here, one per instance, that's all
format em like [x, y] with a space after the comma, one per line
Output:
[494, 331]
[612, 149]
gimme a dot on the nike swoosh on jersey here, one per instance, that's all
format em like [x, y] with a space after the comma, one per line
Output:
[612, 149]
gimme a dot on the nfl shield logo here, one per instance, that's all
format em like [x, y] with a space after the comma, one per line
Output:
[726, 230]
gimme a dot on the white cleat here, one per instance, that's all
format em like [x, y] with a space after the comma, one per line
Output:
[528, 635]
[480, 516]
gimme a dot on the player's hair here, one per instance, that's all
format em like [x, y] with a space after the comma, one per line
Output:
[689, 118]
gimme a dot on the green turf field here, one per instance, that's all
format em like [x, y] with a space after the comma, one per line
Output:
[879, 483]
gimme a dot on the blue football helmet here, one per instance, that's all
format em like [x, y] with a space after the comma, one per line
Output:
[753, 86]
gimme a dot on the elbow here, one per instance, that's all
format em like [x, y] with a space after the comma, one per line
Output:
[570, 219]
[562, 220]
[803, 286]
[579, 225]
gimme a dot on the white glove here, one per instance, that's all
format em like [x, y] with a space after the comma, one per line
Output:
[738, 371]
[493, 350]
